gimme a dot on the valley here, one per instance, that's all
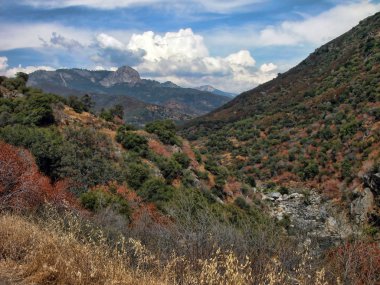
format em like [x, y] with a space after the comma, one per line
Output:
[108, 178]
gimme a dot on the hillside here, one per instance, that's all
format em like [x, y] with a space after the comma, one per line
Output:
[143, 100]
[317, 124]
[106, 202]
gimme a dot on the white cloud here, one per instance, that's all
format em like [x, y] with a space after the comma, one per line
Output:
[33, 34]
[218, 6]
[183, 57]
[10, 72]
[268, 67]
[3, 63]
[311, 30]
[318, 29]
[106, 41]
[27, 69]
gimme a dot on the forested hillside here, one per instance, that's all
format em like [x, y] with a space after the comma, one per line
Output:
[318, 123]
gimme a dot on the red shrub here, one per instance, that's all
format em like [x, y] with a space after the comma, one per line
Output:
[356, 263]
[22, 186]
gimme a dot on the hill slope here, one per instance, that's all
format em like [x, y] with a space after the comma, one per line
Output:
[318, 122]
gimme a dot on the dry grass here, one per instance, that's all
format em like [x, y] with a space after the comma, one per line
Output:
[62, 249]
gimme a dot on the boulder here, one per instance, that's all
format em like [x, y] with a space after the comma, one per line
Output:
[274, 195]
[362, 205]
[372, 181]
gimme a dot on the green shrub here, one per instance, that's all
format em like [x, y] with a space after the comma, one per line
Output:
[165, 130]
[241, 203]
[182, 159]
[170, 168]
[156, 190]
[137, 174]
[132, 141]
[251, 181]
[76, 104]
[97, 200]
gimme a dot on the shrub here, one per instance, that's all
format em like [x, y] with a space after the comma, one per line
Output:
[251, 181]
[137, 174]
[46, 144]
[98, 199]
[165, 130]
[76, 104]
[156, 190]
[132, 141]
[283, 190]
[182, 159]
[241, 203]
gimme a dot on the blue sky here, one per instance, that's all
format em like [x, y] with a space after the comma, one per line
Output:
[233, 45]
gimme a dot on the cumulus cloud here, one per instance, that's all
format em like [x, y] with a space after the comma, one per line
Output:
[10, 72]
[183, 57]
[110, 52]
[27, 69]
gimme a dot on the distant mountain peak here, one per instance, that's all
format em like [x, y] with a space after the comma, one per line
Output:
[211, 89]
[124, 74]
[207, 88]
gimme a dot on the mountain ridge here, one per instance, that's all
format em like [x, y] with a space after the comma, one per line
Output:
[126, 82]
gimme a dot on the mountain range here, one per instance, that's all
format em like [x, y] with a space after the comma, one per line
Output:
[143, 100]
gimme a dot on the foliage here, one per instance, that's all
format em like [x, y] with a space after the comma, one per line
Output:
[132, 141]
[22, 186]
[182, 159]
[137, 174]
[99, 199]
[31, 110]
[156, 190]
[165, 130]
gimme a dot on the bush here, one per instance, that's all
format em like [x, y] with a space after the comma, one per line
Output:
[283, 190]
[170, 168]
[76, 104]
[132, 141]
[165, 130]
[241, 203]
[156, 190]
[46, 145]
[137, 174]
[182, 159]
[251, 181]
[98, 199]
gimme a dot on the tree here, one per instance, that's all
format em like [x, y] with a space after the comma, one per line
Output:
[23, 76]
[118, 111]
[87, 102]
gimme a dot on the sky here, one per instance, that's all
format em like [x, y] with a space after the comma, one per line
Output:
[231, 45]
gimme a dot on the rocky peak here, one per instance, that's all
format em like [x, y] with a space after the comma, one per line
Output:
[206, 88]
[124, 74]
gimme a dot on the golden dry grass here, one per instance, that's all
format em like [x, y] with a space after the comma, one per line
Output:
[60, 250]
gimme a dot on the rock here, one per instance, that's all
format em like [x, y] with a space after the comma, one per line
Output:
[295, 196]
[124, 74]
[362, 206]
[372, 181]
[274, 195]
